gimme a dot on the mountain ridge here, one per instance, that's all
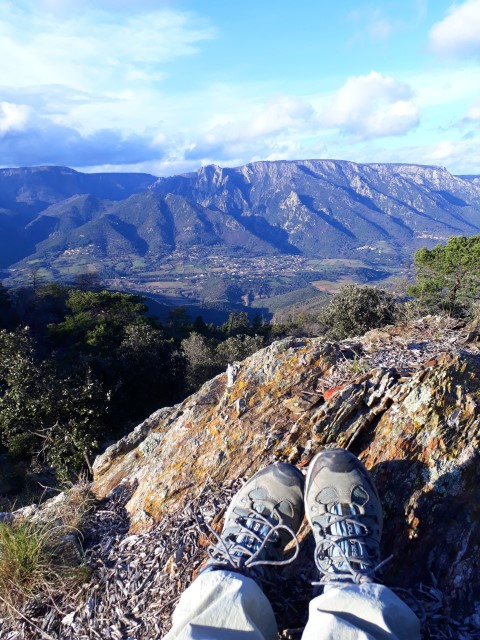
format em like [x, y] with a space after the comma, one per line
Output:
[145, 229]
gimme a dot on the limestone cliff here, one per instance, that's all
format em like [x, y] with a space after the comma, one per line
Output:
[404, 399]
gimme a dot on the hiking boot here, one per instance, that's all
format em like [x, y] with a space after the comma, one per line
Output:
[263, 517]
[344, 511]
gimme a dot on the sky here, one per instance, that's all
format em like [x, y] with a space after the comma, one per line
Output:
[166, 86]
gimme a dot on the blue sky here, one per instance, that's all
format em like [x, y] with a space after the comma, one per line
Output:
[167, 86]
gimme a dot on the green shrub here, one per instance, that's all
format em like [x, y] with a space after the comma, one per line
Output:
[237, 348]
[42, 415]
[357, 309]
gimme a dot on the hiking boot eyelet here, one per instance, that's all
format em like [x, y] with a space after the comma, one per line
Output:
[257, 526]
[347, 530]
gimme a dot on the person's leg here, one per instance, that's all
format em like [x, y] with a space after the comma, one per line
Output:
[360, 612]
[344, 511]
[223, 605]
[225, 602]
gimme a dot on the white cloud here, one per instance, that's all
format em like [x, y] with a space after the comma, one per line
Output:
[269, 130]
[27, 138]
[13, 117]
[458, 34]
[284, 113]
[94, 49]
[79, 81]
[373, 106]
[279, 115]
[458, 156]
[473, 114]
[88, 83]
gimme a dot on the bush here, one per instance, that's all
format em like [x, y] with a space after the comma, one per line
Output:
[54, 419]
[237, 348]
[206, 360]
[357, 309]
[412, 310]
[201, 361]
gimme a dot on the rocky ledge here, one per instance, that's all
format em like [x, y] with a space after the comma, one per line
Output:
[405, 399]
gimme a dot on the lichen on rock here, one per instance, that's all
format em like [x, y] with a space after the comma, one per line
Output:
[415, 426]
[410, 412]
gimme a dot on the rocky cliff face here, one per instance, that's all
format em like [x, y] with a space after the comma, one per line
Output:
[404, 399]
[374, 213]
[335, 208]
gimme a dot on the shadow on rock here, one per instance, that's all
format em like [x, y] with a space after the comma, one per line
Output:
[397, 482]
[432, 529]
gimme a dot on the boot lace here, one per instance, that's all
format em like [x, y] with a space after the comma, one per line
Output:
[343, 554]
[247, 548]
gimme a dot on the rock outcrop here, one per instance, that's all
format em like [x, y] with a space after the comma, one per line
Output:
[404, 399]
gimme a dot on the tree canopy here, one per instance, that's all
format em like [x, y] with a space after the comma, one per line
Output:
[97, 320]
[43, 416]
[448, 276]
[107, 331]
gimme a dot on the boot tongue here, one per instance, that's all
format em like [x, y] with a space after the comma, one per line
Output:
[259, 501]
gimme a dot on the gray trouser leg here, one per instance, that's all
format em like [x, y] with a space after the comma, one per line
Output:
[360, 612]
[224, 605]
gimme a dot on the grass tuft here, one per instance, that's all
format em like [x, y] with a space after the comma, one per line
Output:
[42, 558]
[357, 365]
[28, 566]
[78, 505]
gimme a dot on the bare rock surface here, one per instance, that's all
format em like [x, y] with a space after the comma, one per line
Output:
[405, 399]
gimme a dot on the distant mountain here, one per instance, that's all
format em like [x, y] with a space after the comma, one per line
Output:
[134, 226]
[35, 188]
[26, 193]
[147, 226]
[327, 208]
